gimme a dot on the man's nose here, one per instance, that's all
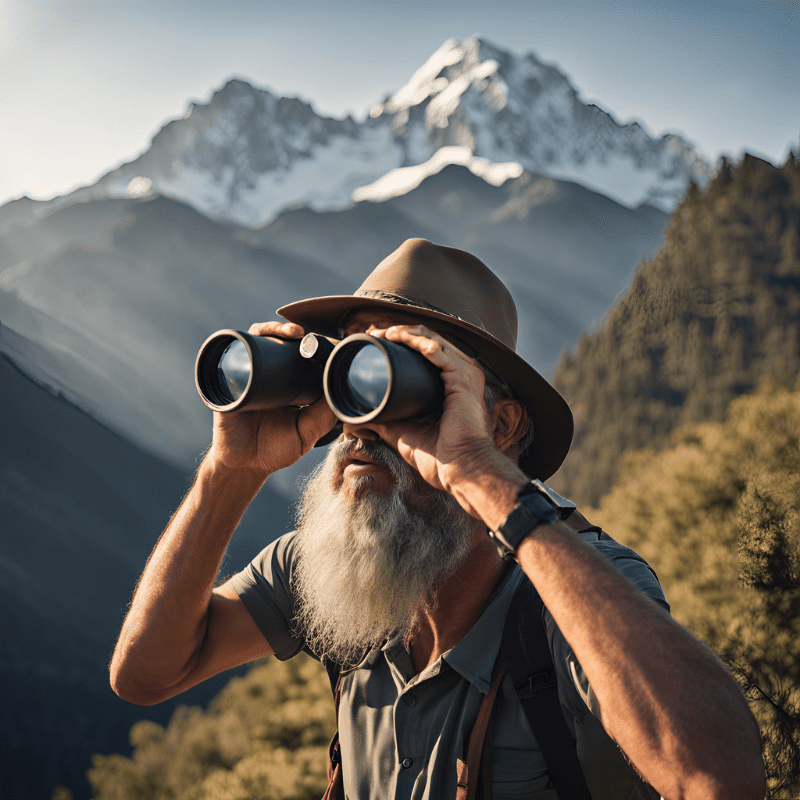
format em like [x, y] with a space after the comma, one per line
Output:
[363, 430]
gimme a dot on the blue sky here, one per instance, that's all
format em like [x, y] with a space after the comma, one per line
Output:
[85, 87]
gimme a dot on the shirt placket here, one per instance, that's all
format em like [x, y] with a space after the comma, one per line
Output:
[408, 734]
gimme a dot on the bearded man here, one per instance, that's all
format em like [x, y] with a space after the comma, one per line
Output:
[392, 576]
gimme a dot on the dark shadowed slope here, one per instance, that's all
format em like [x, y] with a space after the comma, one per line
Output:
[80, 509]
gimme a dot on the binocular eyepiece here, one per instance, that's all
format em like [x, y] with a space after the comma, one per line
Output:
[363, 378]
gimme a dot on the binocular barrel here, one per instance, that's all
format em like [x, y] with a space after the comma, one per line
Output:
[237, 371]
[363, 378]
[368, 379]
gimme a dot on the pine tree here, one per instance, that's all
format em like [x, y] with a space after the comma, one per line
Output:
[765, 557]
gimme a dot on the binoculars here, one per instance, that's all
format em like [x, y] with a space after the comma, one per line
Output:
[363, 378]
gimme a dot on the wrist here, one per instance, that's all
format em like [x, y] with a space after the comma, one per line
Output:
[536, 504]
[214, 468]
[485, 483]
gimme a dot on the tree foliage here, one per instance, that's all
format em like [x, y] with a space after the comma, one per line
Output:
[714, 313]
[264, 736]
[718, 516]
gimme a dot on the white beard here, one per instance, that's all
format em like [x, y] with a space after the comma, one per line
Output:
[366, 569]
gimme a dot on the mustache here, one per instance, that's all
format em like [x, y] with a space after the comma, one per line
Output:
[376, 451]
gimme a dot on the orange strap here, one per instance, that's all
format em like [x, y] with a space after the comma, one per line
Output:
[479, 748]
[335, 788]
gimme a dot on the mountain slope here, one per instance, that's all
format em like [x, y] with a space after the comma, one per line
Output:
[81, 508]
[118, 295]
[564, 251]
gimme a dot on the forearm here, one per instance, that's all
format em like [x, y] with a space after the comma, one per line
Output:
[165, 628]
[664, 697]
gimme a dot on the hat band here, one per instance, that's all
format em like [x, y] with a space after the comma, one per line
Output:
[406, 301]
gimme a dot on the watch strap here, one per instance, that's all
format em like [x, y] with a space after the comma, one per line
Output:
[536, 503]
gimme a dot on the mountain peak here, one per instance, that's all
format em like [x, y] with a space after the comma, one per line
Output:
[248, 153]
[517, 109]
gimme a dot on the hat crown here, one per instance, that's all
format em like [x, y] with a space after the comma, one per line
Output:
[444, 279]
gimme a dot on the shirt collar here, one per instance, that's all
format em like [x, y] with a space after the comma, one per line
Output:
[474, 656]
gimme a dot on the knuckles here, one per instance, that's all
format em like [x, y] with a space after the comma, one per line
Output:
[275, 328]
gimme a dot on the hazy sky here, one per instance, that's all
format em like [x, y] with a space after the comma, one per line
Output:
[85, 86]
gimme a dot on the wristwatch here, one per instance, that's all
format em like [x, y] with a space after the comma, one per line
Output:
[536, 503]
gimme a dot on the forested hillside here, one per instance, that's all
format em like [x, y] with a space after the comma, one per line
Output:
[722, 490]
[264, 737]
[712, 315]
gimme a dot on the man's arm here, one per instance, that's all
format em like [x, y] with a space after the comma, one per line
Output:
[664, 697]
[179, 629]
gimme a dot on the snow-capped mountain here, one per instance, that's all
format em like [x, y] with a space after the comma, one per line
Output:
[248, 154]
[507, 108]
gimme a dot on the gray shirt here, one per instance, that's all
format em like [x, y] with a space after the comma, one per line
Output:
[401, 734]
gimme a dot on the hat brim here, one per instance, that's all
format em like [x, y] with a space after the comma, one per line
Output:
[549, 412]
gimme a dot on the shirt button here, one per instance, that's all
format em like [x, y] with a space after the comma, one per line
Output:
[406, 762]
[409, 700]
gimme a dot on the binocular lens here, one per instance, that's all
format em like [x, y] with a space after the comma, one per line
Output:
[234, 370]
[368, 378]
[238, 371]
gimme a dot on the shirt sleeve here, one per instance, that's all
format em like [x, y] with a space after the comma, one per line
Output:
[574, 687]
[265, 587]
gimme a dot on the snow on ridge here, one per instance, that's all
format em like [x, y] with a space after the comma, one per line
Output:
[323, 183]
[424, 81]
[515, 109]
[402, 180]
[247, 154]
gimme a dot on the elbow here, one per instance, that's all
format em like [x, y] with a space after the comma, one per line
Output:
[745, 788]
[132, 694]
[133, 690]
[728, 771]
[745, 780]
[749, 785]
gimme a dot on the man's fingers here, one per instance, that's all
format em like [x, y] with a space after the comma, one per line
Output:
[286, 330]
[314, 421]
[440, 351]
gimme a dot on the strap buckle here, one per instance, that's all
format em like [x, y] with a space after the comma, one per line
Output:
[335, 751]
[534, 684]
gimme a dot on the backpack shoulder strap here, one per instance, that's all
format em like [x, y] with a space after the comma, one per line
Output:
[525, 649]
[335, 788]
[334, 670]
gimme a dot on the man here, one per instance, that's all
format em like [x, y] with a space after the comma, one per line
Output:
[392, 574]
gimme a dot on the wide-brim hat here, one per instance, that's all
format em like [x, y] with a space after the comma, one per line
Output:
[465, 298]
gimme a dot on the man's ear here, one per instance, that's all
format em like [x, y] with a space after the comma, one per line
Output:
[510, 421]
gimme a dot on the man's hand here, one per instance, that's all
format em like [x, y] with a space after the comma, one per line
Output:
[466, 445]
[267, 441]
